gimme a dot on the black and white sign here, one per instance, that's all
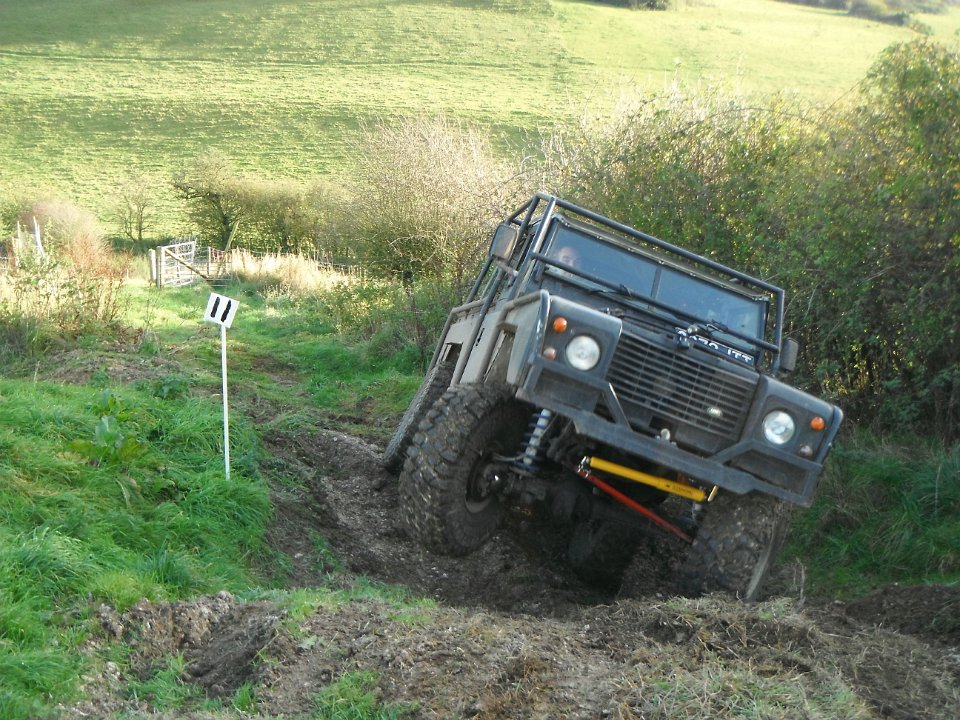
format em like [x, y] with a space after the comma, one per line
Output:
[220, 310]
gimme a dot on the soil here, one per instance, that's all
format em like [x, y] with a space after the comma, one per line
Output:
[511, 632]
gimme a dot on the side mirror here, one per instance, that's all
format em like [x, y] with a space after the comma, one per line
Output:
[788, 355]
[504, 241]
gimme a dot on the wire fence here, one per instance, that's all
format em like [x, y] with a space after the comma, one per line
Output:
[184, 263]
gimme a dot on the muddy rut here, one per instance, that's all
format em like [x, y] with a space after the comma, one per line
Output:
[513, 634]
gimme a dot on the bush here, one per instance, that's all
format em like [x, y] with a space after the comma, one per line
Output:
[393, 317]
[70, 281]
[879, 11]
[273, 216]
[645, 4]
[700, 170]
[283, 217]
[827, 4]
[856, 215]
[880, 227]
[428, 192]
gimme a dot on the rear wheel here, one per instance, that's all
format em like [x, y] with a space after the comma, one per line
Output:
[600, 551]
[436, 381]
[737, 542]
[449, 483]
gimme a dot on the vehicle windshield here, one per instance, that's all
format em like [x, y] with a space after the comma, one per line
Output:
[691, 298]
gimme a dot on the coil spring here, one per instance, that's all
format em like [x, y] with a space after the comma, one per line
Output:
[533, 443]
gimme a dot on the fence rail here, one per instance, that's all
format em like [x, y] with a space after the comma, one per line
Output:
[184, 263]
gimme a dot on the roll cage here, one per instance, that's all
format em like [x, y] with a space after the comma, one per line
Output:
[539, 221]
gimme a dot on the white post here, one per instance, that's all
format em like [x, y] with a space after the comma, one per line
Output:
[36, 234]
[221, 310]
[226, 414]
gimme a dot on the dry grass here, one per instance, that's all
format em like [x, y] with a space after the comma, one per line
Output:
[293, 273]
[64, 274]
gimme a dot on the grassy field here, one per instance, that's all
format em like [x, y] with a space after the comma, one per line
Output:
[95, 92]
[111, 466]
[112, 487]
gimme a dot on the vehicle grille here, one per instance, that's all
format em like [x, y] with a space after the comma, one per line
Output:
[686, 387]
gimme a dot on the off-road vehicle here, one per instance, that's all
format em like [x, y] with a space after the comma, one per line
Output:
[623, 383]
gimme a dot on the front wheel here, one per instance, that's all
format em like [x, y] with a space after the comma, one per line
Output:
[737, 542]
[436, 381]
[449, 484]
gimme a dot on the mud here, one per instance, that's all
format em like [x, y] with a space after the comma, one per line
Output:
[512, 633]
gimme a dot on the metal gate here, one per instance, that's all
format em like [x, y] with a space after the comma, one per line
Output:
[183, 263]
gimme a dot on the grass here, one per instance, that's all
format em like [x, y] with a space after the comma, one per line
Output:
[885, 512]
[82, 519]
[136, 505]
[353, 697]
[730, 690]
[96, 92]
[164, 689]
[112, 487]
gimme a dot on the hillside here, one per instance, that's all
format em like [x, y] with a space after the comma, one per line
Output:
[138, 582]
[508, 632]
[138, 579]
[95, 94]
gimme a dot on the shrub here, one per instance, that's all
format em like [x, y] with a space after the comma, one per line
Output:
[856, 215]
[393, 317]
[879, 11]
[269, 215]
[645, 4]
[283, 217]
[827, 4]
[880, 225]
[427, 190]
[695, 169]
[70, 280]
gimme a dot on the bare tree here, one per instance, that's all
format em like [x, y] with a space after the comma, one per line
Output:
[134, 208]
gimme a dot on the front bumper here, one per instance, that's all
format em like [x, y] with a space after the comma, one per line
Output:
[785, 475]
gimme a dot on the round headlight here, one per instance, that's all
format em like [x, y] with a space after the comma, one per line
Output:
[583, 352]
[778, 427]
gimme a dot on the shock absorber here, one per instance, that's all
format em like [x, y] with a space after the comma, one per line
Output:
[533, 452]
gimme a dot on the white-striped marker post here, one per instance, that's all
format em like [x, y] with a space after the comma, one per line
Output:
[221, 310]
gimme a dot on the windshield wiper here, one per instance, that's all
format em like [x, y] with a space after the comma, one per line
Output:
[619, 290]
[709, 328]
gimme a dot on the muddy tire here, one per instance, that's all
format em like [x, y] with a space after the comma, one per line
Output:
[737, 542]
[600, 551]
[436, 381]
[446, 500]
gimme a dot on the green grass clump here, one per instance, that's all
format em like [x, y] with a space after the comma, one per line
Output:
[107, 497]
[884, 513]
[165, 689]
[353, 697]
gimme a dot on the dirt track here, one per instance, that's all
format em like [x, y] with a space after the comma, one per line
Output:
[515, 635]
